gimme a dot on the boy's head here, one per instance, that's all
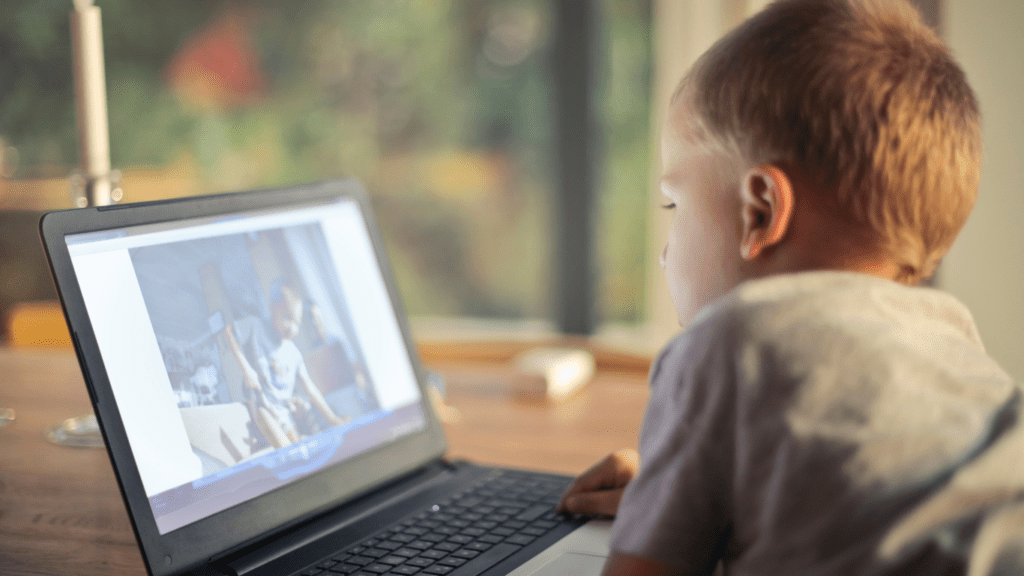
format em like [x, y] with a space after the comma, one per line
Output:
[827, 134]
[285, 309]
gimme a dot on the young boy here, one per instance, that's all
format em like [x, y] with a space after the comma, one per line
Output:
[818, 162]
[273, 368]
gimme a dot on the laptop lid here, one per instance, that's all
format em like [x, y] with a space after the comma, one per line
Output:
[247, 357]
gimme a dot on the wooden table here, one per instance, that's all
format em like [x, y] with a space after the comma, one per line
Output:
[61, 512]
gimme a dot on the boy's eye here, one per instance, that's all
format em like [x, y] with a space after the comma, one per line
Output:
[669, 206]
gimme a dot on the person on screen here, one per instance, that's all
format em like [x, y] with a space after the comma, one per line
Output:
[273, 368]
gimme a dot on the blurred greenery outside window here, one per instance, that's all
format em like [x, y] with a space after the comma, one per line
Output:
[442, 108]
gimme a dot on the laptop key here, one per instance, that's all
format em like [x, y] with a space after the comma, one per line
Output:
[433, 554]
[533, 512]
[420, 562]
[521, 539]
[404, 570]
[466, 553]
[375, 552]
[438, 569]
[344, 568]
[407, 552]
[485, 560]
[451, 561]
[377, 568]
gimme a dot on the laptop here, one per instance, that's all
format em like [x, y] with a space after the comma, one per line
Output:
[252, 372]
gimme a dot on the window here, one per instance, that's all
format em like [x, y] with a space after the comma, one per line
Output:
[444, 109]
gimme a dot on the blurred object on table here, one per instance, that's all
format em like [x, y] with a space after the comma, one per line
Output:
[37, 324]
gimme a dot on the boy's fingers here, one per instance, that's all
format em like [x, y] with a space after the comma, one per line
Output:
[597, 477]
[611, 473]
[599, 503]
[615, 470]
[590, 481]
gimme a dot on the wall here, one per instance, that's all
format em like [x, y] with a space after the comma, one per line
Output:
[985, 268]
[683, 30]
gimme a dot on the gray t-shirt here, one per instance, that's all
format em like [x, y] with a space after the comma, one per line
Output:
[799, 417]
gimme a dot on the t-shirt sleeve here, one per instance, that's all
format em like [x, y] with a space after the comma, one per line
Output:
[677, 509]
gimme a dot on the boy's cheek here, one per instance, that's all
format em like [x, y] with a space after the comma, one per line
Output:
[698, 271]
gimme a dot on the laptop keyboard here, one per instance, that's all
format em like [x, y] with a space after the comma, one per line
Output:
[463, 534]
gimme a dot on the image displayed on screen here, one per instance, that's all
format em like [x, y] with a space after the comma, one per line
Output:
[257, 343]
[246, 352]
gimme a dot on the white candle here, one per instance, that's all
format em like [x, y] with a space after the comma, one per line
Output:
[91, 100]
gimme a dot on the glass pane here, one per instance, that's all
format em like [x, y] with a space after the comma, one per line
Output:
[623, 172]
[440, 107]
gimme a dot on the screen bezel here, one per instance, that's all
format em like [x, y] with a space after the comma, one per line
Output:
[195, 544]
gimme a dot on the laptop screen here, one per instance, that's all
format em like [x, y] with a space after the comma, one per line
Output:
[247, 351]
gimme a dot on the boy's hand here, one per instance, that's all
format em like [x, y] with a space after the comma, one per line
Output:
[597, 491]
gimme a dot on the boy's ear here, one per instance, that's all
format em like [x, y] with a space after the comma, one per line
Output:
[766, 202]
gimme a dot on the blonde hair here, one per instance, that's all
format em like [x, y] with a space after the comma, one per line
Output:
[864, 101]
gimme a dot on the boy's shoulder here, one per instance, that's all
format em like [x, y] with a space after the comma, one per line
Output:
[793, 305]
[791, 327]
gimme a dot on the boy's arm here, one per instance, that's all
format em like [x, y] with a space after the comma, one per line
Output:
[598, 492]
[249, 375]
[675, 515]
[318, 399]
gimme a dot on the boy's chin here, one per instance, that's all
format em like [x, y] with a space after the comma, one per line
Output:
[684, 316]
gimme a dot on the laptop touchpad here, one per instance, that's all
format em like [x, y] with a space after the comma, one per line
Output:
[572, 564]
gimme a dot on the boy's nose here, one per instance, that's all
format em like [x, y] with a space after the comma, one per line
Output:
[661, 258]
